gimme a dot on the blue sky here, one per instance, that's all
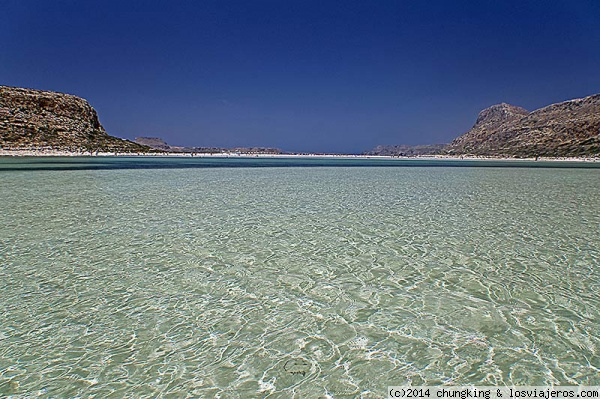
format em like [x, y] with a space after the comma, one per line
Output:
[333, 76]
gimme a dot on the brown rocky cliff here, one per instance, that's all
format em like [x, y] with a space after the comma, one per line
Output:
[35, 119]
[570, 128]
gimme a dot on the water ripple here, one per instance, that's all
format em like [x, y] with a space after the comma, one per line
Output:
[304, 282]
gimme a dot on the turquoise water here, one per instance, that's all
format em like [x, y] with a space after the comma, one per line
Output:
[202, 278]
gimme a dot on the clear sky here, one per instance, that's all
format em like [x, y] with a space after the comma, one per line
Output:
[301, 75]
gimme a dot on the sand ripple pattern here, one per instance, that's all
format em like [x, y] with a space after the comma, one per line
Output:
[296, 282]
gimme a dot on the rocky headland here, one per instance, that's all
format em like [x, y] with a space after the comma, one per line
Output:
[566, 129]
[43, 120]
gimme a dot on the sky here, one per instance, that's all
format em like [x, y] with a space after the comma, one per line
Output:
[301, 75]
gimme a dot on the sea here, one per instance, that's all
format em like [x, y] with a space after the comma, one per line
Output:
[152, 277]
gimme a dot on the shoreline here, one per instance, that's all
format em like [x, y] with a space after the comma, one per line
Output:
[61, 153]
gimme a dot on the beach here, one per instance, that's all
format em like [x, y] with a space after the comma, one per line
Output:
[62, 153]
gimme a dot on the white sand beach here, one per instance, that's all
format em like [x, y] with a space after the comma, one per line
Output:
[62, 153]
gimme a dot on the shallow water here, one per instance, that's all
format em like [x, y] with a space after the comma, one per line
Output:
[180, 280]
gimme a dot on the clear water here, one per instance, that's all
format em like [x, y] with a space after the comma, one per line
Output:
[175, 278]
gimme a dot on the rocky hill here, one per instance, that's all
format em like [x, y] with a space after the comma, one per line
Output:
[161, 145]
[407, 150]
[35, 119]
[570, 128]
[153, 142]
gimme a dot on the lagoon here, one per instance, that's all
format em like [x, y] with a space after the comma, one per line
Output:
[307, 278]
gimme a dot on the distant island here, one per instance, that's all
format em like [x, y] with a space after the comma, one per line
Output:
[36, 120]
